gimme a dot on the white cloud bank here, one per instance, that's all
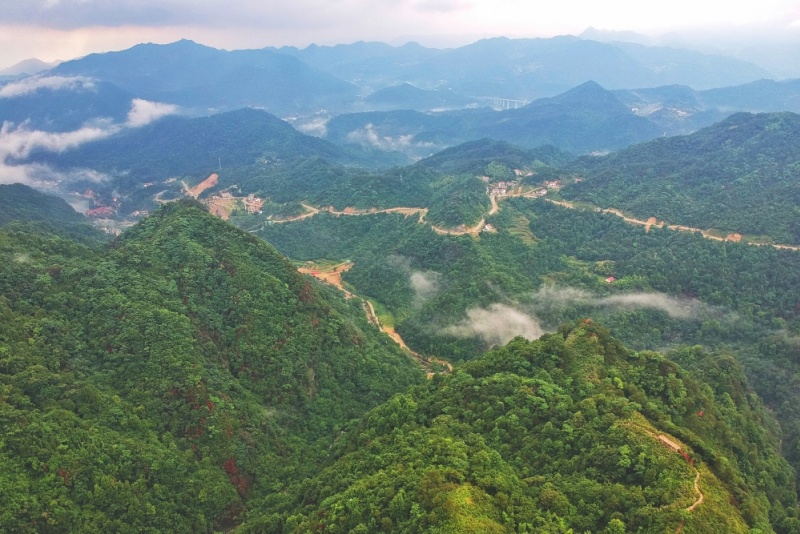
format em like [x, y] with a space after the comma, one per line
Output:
[33, 84]
[369, 137]
[500, 323]
[18, 142]
[143, 112]
[549, 298]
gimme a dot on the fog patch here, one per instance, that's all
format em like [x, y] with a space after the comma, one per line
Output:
[45, 177]
[497, 325]
[48, 83]
[318, 127]
[550, 298]
[370, 138]
[677, 308]
[425, 285]
[18, 142]
[81, 205]
[143, 112]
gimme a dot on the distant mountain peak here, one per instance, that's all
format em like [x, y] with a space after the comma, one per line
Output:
[589, 92]
[29, 66]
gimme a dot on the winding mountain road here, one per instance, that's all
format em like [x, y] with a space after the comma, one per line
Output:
[334, 277]
[651, 222]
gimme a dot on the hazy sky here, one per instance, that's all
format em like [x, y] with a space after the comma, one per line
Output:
[63, 29]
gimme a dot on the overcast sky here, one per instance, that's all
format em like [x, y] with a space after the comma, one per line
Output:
[64, 29]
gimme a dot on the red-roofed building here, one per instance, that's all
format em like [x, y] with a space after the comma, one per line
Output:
[103, 211]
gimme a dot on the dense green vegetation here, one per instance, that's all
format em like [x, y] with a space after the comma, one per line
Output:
[453, 199]
[323, 183]
[755, 291]
[558, 435]
[21, 206]
[672, 289]
[389, 249]
[739, 175]
[165, 382]
[457, 200]
[187, 378]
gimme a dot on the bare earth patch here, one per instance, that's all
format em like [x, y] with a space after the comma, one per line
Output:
[198, 190]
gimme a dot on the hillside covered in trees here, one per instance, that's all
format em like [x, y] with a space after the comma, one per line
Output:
[163, 382]
[570, 433]
[739, 175]
[187, 378]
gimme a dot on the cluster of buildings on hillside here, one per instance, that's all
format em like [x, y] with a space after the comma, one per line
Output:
[500, 188]
[503, 188]
[101, 208]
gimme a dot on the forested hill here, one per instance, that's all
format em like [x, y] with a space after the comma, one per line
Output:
[21, 205]
[739, 175]
[474, 156]
[178, 146]
[570, 433]
[163, 383]
[582, 120]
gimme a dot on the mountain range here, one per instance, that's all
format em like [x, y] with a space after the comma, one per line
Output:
[204, 79]
[288, 80]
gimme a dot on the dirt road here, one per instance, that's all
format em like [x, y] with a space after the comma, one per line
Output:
[334, 277]
[495, 207]
[651, 222]
[472, 230]
[676, 447]
[331, 276]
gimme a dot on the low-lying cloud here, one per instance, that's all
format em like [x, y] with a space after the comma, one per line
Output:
[18, 142]
[37, 174]
[369, 136]
[497, 325]
[425, 285]
[33, 84]
[143, 112]
[549, 298]
[317, 126]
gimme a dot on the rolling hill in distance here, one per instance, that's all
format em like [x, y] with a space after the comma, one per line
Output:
[201, 77]
[176, 145]
[527, 68]
[522, 285]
